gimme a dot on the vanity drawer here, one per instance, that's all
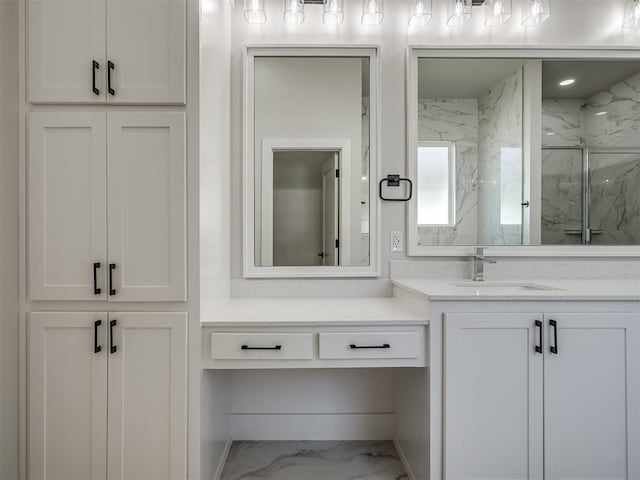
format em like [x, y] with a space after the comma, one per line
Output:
[261, 346]
[370, 345]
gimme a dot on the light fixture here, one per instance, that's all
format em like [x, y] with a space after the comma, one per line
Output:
[294, 12]
[567, 81]
[458, 12]
[536, 12]
[631, 14]
[372, 12]
[420, 13]
[333, 12]
[254, 11]
[498, 12]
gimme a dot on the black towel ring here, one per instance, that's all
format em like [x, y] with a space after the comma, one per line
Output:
[394, 181]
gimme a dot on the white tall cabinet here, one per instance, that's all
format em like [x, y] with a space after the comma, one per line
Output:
[107, 396]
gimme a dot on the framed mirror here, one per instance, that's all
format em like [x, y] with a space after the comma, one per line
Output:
[310, 162]
[526, 152]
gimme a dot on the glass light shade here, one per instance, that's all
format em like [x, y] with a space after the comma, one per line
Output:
[458, 12]
[372, 12]
[498, 12]
[536, 12]
[420, 13]
[293, 12]
[254, 11]
[333, 12]
[631, 14]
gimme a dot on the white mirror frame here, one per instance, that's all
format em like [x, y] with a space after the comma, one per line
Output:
[532, 147]
[250, 270]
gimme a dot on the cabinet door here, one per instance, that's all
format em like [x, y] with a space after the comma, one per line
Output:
[147, 205]
[146, 42]
[67, 205]
[65, 38]
[493, 396]
[147, 396]
[592, 404]
[67, 405]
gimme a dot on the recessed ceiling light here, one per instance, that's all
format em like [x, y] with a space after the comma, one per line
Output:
[599, 114]
[567, 82]
[551, 133]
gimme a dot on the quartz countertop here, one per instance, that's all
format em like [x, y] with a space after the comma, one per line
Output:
[550, 289]
[272, 312]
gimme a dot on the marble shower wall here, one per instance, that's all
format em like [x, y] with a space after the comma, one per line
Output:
[500, 127]
[454, 120]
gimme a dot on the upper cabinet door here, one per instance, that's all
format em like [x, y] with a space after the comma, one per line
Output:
[146, 48]
[147, 206]
[67, 206]
[65, 38]
[592, 397]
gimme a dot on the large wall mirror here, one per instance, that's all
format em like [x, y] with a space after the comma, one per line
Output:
[310, 162]
[527, 152]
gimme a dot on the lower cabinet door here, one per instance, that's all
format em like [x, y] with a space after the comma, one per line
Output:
[592, 397]
[493, 396]
[67, 406]
[147, 396]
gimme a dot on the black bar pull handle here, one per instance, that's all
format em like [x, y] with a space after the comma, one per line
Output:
[96, 290]
[554, 347]
[247, 347]
[110, 67]
[96, 325]
[112, 344]
[112, 267]
[539, 345]
[95, 66]
[362, 347]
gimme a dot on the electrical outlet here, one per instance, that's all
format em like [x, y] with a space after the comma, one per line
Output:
[396, 241]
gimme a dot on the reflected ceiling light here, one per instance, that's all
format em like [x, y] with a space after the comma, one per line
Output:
[458, 12]
[498, 12]
[631, 14]
[420, 13]
[333, 12]
[567, 82]
[600, 114]
[536, 12]
[294, 12]
[254, 11]
[372, 12]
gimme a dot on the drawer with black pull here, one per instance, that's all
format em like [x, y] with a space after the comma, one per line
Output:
[369, 345]
[261, 346]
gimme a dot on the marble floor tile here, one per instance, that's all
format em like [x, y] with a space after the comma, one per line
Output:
[313, 460]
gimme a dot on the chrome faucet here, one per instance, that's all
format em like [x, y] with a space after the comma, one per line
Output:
[478, 265]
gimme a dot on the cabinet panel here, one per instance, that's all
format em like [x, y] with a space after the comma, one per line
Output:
[146, 41]
[592, 389]
[147, 397]
[67, 205]
[493, 396]
[65, 36]
[67, 397]
[147, 205]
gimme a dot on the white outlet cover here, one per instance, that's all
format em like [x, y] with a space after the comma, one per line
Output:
[396, 241]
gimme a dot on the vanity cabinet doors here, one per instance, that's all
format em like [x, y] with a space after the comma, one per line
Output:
[493, 396]
[107, 396]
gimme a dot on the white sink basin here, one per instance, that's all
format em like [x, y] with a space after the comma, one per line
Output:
[502, 286]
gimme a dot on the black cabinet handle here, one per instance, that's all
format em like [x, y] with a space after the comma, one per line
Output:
[539, 345]
[96, 348]
[94, 67]
[247, 347]
[554, 347]
[362, 347]
[96, 290]
[112, 344]
[110, 66]
[112, 267]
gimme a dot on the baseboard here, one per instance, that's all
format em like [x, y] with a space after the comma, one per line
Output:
[369, 426]
[403, 459]
[223, 460]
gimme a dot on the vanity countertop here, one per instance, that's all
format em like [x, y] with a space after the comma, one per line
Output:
[522, 290]
[273, 312]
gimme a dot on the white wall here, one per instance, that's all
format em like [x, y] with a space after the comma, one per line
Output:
[574, 23]
[9, 240]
